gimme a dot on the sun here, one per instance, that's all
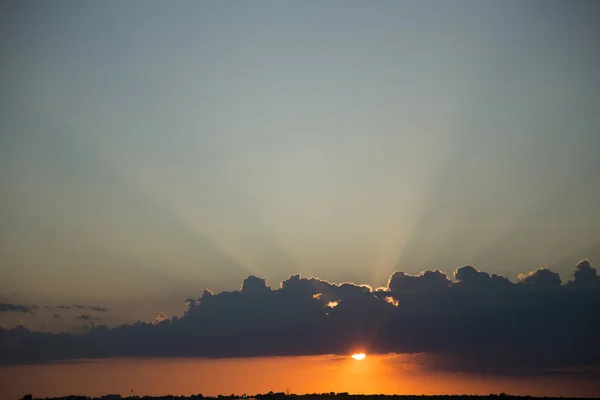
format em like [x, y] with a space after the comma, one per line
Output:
[358, 356]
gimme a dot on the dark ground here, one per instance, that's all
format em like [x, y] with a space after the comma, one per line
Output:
[323, 396]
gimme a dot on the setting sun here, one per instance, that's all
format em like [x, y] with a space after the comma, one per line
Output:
[358, 356]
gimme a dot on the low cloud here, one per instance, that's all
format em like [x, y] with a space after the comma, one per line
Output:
[7, 307]
[87, 317]
[82, 307]
[477, 321]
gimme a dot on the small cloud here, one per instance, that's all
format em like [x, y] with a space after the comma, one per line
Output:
[64, 307]
[87, 317]
[7, 307]
[392, 301]
[99, 309]
[56, 315]
[78, 306]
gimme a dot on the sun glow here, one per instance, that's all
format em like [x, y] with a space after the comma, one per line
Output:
[358, 356]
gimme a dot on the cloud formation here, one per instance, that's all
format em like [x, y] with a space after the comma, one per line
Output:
[479, 321]
[426, 281]
[543, 278]
[82, 307]
[471, 279]
[87, 317]
[7, 307]
[585, 276]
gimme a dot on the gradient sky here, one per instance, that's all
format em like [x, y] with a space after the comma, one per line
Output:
[162, 148]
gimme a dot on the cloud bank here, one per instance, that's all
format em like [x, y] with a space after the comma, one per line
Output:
[479, 322]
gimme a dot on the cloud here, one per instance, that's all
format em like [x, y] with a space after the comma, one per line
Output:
[471, 279]
[160, 318]
[55, 315]
[82, 307]
[542, 278]
[87, 317]
[253, 285]
[481, 323]
[325, 291]
[585, 276]
[426, 281]
[7, 307]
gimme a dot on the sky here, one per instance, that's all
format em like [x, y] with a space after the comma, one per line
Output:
[151, 150]
[322, 374]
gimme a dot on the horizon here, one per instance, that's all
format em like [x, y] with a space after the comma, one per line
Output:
[191, 376]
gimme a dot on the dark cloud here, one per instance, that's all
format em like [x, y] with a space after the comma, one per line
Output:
[479, 323]
[87, 317]
[325, 291]
[585, 276]
[471, 279]
[427, 281]
[7, 307]
[253, 285]
[82, 307]
[543, 278]
[55, 315]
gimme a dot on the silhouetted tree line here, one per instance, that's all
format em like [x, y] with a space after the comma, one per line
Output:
[313, 396]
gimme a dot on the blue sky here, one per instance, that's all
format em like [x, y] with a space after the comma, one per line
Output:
[158, 148]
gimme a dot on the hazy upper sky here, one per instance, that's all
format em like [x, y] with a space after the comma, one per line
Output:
[165, 147]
